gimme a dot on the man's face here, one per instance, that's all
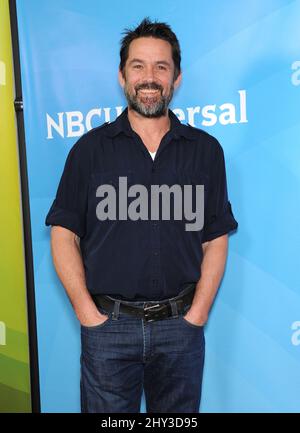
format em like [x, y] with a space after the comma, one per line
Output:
[148, 76]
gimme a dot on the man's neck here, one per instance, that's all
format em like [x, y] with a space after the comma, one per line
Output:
[149, 127]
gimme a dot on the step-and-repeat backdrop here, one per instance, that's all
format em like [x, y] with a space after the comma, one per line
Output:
[15, 393]
[241, 83]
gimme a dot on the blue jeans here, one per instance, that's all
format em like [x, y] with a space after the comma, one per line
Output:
[126, 354]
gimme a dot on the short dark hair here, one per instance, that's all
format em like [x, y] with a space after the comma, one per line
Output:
[155, 30]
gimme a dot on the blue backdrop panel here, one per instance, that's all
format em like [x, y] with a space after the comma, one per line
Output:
[241, 77]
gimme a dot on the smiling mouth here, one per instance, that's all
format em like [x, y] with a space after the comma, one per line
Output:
[148, 92]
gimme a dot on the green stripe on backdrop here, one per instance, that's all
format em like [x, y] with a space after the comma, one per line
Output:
[14, 343]
[14, 400]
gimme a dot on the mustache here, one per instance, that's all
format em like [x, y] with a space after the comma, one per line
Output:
[148, 86]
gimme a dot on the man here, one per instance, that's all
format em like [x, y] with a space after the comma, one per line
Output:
[142, 286]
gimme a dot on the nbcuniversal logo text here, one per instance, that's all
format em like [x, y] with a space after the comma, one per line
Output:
[73, 123]
[295, 77]
[296, 335]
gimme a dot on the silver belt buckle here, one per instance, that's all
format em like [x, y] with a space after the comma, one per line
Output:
[149, 311]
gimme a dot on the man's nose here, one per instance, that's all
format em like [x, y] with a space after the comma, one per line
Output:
[149, 74]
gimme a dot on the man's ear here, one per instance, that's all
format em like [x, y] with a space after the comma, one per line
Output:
[178, 81]
[121, 78]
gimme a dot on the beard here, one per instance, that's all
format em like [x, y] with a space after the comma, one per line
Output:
[149, 105]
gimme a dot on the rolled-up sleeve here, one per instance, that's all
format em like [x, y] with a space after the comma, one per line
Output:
[70, 204]
[218, 216]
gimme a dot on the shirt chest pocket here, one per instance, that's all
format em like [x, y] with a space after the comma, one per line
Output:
[184, 178]
[189, 194]
[109, 187]
[111, 178]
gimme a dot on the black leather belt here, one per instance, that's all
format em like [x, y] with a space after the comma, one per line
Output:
[151, 310]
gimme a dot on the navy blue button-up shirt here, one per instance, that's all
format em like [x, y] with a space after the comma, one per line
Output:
[143, 259]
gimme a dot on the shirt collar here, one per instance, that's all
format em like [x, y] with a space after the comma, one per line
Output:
[122, 125]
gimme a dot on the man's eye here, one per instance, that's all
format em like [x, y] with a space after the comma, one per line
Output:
[162, 67]
[137, 66]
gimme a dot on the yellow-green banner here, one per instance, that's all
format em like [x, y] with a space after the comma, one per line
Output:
[14, 346]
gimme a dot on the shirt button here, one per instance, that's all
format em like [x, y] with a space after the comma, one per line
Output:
[156, 253]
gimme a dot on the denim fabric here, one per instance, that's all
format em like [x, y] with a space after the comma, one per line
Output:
[125, 354]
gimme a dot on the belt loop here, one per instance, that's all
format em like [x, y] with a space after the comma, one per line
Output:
[174, 308]
[115, 313]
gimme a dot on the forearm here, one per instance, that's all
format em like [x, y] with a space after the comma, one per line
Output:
[212, 269]
[68, 264]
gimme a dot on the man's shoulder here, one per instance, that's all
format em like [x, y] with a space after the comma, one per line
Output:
[199, 134]
[88, 141]
[91, 138]
[97, 131]
[205, 142]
